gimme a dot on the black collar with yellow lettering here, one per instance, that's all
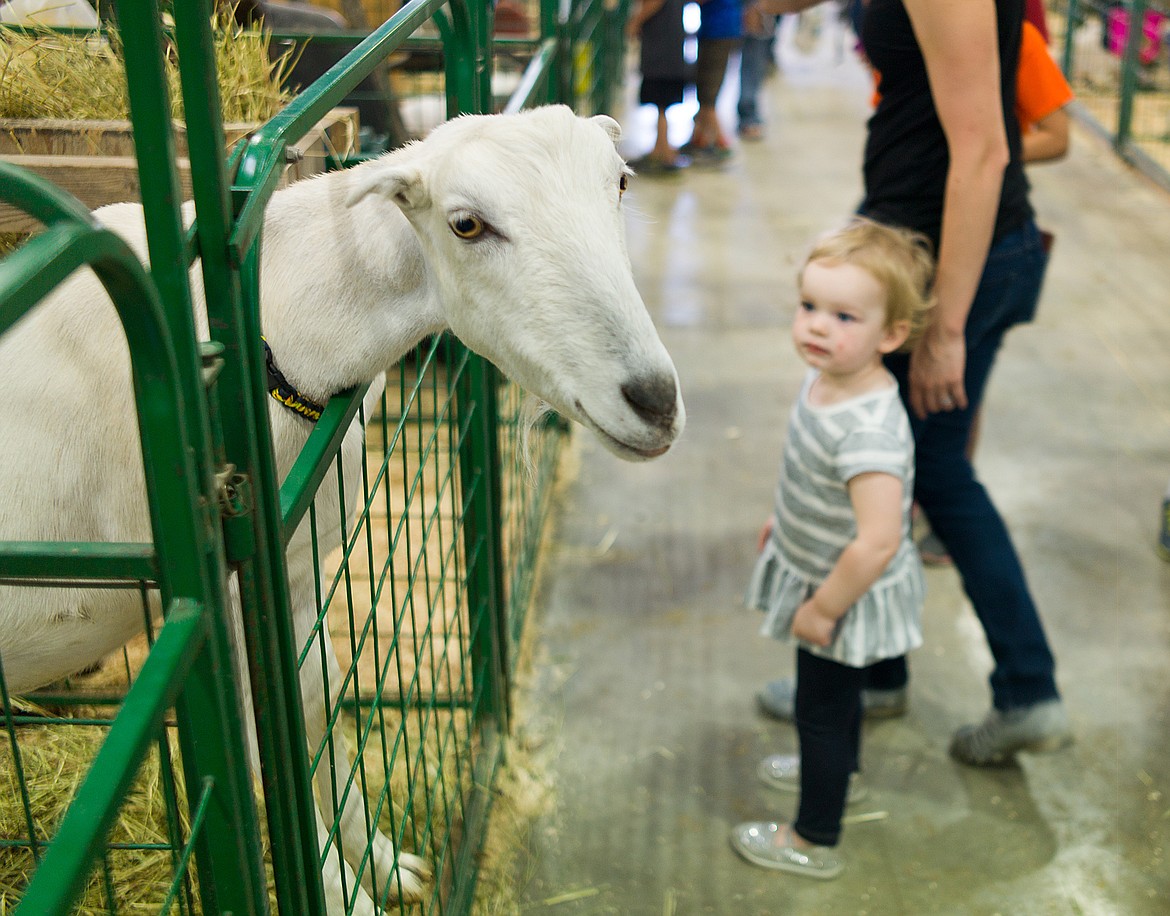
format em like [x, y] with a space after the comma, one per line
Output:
[285, 393]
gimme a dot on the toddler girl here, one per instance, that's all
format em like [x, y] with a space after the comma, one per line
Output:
[837, 570]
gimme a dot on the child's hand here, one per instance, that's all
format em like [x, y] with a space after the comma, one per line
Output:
[812, 625]
[765, 533]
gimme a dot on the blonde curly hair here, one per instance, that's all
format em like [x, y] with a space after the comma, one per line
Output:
[900, 260]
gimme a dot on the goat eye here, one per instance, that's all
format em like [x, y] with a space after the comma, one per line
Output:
[467, 227]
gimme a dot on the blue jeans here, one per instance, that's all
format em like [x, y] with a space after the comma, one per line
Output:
[957, 506]
[755, 53]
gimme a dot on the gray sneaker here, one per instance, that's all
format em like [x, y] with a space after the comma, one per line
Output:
[778, 700]
[782, 772]
[769, 845]
[996, 740]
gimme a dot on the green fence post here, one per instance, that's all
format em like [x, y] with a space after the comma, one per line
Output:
[258, 560]
[1136, 10]
[228, 852]
[555, 17]
[1073, 20]
[479, 464]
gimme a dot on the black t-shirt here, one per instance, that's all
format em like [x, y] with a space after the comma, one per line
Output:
[906, 156]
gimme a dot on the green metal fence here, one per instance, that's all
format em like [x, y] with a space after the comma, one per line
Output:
[1121, 75]
[422, 595]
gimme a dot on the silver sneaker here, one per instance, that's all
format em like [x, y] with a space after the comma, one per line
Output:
[996, 740]
[782, 772]
[778, 700]
[769, 845]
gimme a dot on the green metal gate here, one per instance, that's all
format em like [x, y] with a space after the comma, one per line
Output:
[425, 599]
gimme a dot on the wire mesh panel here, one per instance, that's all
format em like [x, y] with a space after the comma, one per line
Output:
[393, 604]
[530, 443]
[50, 739]
[418, 676]
[1120, 72]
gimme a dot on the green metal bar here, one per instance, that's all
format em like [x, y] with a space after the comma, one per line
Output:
[30, 273]
[311, 466]
[537, 76]
[476, 815]
[40, 198]
[78, 560]
[182, 864]
[259, 169]
[1136, 9]
[246, 443]
[1073, 21]
[480, 470]
[456, 85]
[189, 543]
[317, 456]
[10, 723]
[552, 29]
[468, 42]
[89, 819]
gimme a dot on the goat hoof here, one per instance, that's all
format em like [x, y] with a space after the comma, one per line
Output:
[410, 878]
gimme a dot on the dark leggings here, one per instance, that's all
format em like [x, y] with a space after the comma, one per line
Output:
[828, 721]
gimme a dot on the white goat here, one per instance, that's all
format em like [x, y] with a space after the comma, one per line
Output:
[506, 229]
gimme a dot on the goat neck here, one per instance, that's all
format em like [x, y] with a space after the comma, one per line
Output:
[344, 291]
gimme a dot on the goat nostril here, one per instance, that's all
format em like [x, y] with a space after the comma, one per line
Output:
[654, 399]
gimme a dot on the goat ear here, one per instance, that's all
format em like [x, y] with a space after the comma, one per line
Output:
[609, 125]
[402, 184]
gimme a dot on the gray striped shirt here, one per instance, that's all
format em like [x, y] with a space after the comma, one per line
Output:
[826, 448]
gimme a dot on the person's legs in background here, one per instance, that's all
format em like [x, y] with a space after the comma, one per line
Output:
[708, 143]
[663, 158]
[754, 58]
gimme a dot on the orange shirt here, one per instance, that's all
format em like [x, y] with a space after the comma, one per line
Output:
[1041, 88]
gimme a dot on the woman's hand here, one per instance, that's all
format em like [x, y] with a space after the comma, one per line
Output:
[936, 372]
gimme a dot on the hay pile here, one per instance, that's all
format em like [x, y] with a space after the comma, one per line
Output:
[53, 761]
[44, 74]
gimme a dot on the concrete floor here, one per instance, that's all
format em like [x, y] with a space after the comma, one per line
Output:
[646, 665]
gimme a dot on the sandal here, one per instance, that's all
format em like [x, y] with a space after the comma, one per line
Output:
[652, 165]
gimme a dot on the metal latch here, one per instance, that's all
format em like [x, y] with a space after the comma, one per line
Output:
[234, 491]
